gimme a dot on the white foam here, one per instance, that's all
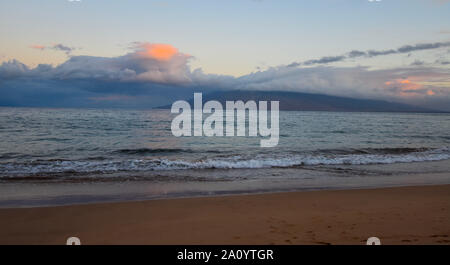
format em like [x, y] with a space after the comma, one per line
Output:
[232, 162]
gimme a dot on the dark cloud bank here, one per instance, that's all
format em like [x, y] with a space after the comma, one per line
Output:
[154, 75]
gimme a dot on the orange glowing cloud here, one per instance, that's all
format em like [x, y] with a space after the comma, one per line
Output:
[161, 52]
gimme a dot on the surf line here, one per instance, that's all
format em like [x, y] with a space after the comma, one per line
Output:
[213, 125]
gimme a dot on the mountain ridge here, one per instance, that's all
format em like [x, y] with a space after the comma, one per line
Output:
[299, 101]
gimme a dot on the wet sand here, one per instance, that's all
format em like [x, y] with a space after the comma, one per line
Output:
[401, 215]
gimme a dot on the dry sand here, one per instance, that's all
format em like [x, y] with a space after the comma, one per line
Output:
[403, 215]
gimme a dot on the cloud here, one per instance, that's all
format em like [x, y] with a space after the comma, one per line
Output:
[373, 53]
[442, 62]
[57, 47]
[38, 47]
[325, 60]
[13, 69]
[348, 81]
[425, 86]
[147, 62]
[156, 74]
[150, 75]
[162, 52]
[422, 46]
[356, 53]
[60, 47]
[418, 62]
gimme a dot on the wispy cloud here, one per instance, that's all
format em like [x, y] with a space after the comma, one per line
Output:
[38, 47]
[61, 47]
[373, 53]
[57, 47]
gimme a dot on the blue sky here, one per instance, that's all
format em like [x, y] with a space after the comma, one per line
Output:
[236, 38]
[226, 37]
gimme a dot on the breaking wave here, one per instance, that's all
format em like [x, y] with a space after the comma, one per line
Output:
[288, 159]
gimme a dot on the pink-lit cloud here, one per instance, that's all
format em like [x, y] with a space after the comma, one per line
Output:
[429, 84]
[37, 46]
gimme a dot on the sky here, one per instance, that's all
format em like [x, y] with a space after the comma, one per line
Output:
[135, 53]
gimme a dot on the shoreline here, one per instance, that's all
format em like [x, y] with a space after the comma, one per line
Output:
[219, 195]
[397, 215]
[252, 182]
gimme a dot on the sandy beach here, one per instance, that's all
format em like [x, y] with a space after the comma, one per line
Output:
[401, 215]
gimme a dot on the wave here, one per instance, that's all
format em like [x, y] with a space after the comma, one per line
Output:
[355, 157]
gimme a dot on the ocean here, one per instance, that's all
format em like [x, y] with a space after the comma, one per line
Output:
[69, 156]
